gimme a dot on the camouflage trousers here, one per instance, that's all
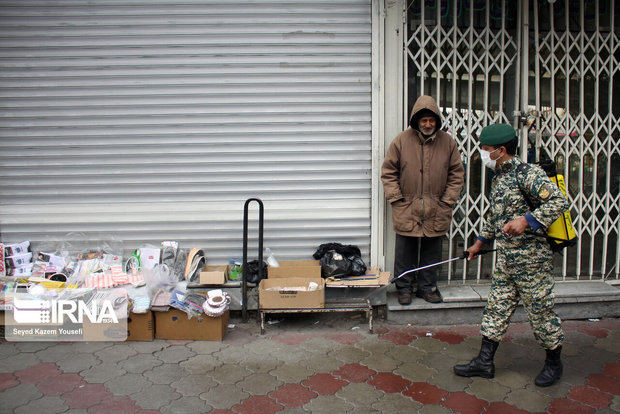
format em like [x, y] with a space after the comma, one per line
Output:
[533, 284]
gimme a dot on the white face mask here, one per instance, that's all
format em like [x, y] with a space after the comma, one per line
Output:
[485, 156]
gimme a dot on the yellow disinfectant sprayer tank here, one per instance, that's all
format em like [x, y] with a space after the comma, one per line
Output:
[562, 228]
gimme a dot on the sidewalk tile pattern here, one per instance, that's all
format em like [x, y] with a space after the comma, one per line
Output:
[313, 364]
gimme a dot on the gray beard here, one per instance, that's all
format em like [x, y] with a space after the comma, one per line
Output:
[432, 131]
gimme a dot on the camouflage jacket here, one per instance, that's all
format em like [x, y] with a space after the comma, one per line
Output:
[507, 203]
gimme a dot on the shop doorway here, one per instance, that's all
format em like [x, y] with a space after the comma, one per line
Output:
[549, 69]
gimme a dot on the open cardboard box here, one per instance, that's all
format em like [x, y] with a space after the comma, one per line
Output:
[281, 289]
[213, 275]
[285, 293]
[174, 324]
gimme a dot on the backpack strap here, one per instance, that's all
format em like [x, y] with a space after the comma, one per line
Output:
[521, 170]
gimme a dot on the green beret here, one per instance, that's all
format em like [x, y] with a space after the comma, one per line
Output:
[497, 134]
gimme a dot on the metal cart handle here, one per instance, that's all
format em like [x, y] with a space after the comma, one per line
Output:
[261, 215]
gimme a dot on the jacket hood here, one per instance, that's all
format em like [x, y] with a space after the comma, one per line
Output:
[421, 107]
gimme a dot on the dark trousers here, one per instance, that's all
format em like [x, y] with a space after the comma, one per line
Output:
[412, 252]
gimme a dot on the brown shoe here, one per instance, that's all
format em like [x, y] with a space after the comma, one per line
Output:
[404, 298]
[431, 297]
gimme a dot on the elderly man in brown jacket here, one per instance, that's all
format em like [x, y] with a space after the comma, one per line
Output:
[422, 176]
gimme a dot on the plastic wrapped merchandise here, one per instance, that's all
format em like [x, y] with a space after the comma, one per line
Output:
[271, 258]
[16, 249]
[158, 279]
[168, 254]
[193, 305]
[180, 263]
[177, 299]
[235, 269]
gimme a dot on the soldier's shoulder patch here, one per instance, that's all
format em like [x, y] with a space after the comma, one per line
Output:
[524, 166]
[544, 192]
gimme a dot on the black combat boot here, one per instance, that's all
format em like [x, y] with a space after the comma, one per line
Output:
[482, 365]
[552, 371]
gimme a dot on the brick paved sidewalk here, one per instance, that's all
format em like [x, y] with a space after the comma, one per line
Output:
[313, 364]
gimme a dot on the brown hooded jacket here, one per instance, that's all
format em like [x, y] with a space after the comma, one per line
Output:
[422, 177]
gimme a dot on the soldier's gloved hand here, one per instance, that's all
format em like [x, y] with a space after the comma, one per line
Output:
[516, 226]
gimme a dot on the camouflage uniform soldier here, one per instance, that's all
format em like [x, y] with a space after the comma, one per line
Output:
[524, 261]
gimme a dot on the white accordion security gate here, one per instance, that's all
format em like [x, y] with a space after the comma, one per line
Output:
[549, 69]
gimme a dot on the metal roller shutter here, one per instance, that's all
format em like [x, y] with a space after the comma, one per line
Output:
[147, 120]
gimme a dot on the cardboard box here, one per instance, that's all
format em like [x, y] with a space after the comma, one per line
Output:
[296, 268]
[140, 326]
[104, 331]
[372, 278]
[174, 324]
[213, 275]
[286, 293]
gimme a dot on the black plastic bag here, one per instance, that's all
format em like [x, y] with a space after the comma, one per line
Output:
[334, 264]
[338, 260]
[347, 251]
[358, 267]
[251, 273]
